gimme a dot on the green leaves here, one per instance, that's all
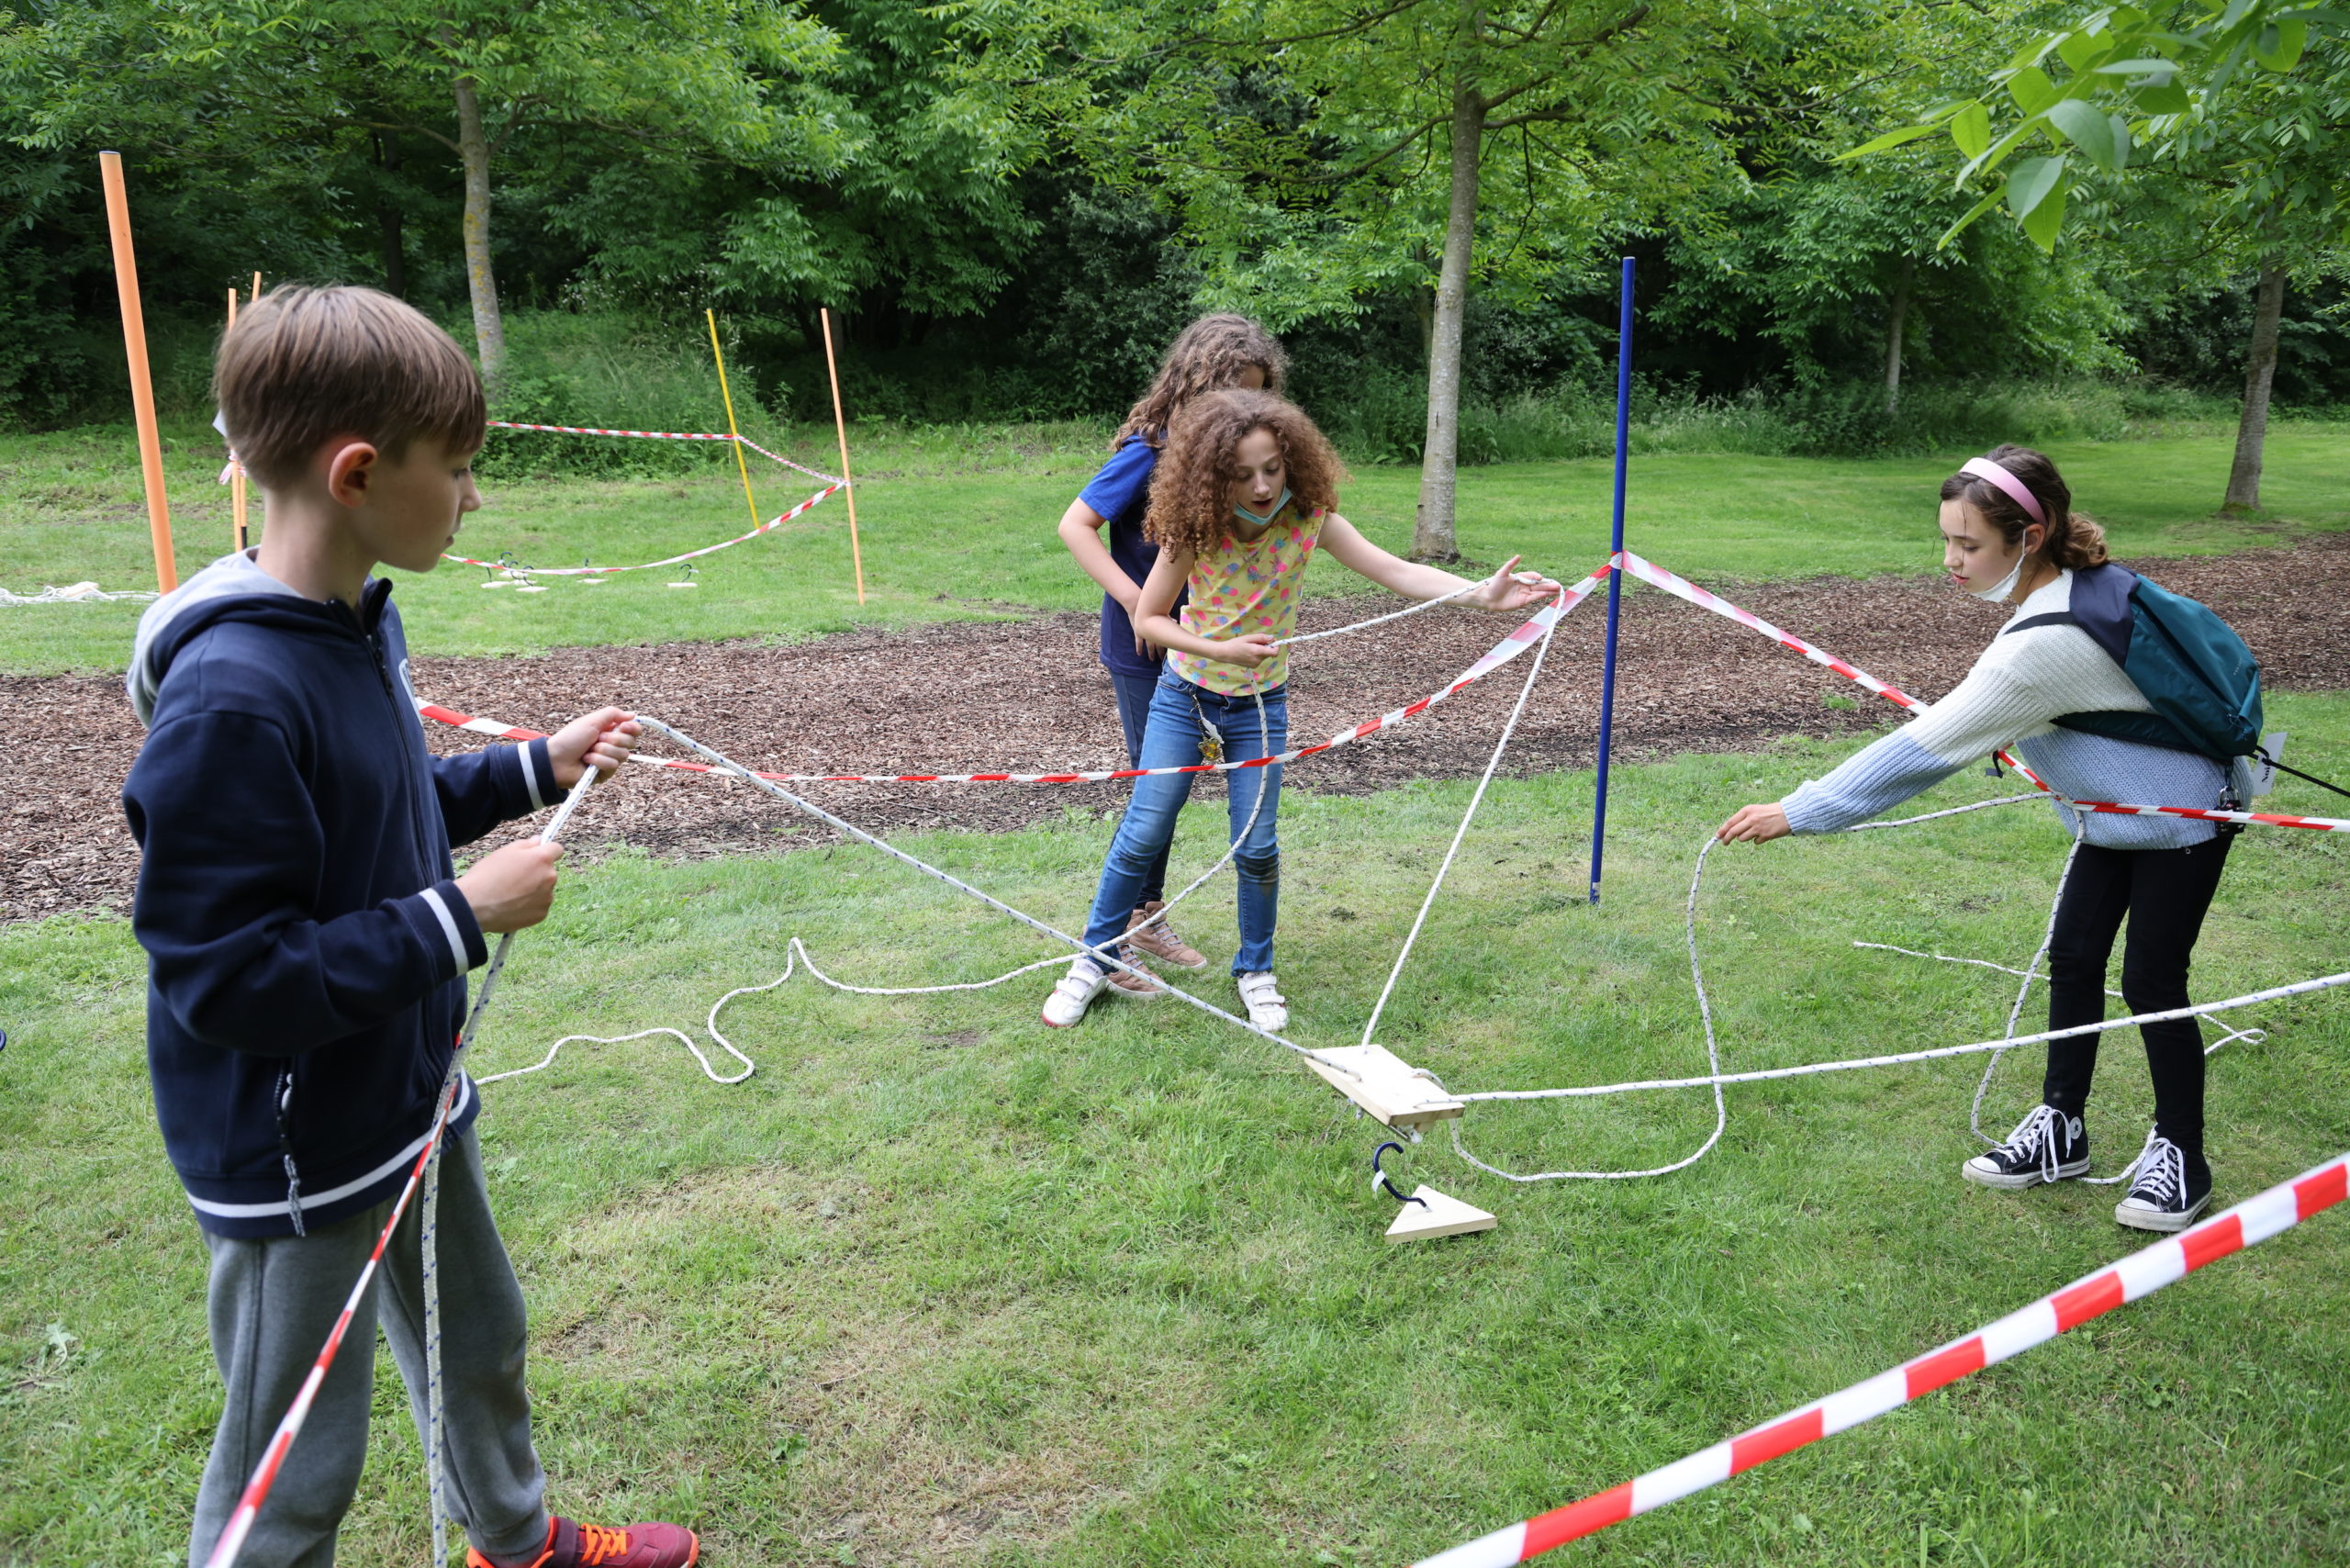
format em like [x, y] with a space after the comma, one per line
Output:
[2105, 138]
[2280, 44]
[1971, 129]
[2177, 75]
[2032, 89]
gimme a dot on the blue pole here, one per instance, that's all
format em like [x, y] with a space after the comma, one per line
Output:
[1615, 579]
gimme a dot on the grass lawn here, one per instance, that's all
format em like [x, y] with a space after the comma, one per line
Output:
[939, 1284]
[964, 528]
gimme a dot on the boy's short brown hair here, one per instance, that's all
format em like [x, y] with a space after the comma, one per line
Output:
[304, 364]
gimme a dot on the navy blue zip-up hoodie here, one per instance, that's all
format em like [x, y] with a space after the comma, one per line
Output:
[306, 947]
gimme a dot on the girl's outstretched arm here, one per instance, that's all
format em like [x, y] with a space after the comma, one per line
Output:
[1507, 590]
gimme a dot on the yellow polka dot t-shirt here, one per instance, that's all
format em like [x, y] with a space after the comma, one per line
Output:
[1244, 588]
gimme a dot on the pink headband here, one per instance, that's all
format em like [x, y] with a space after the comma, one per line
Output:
[2017, 491]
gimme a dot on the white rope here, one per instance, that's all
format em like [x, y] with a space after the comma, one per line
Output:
[74, 593]
[1460, 592]
[436, 1423]
[1098, 953]
[796, 954]
[1716, 1078]
[1713, 1061]
[797, 957]
[2273, 994]
[2039, 956]
[2229, 1033]
[1436, 883]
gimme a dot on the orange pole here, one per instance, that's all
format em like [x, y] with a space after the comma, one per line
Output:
[237, 476]
[840, 423]
[142, 386]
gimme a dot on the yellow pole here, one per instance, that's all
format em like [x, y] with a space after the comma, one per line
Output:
[142, 386]
[237, 477]
[840, 423]
[742, 465]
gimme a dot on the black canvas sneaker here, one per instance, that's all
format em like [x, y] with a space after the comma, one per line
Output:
[2047, 1146]
[2171, 1189]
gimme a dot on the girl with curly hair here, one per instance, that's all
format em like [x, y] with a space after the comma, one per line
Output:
[1242, 502]
[1102, 527]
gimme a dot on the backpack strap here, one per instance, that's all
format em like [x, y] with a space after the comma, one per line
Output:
[2054, 618]
[2101, 606]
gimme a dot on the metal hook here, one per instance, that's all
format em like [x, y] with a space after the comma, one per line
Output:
[1380, 1180]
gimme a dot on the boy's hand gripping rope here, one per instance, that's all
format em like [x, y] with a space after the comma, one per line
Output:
[2141, 1274]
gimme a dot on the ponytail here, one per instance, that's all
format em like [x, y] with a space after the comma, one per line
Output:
[2072, 541]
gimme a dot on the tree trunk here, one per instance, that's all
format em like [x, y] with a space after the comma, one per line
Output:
[389, 220]
[473, 147]
[1432, 535]
[2252, 430]
[1900, 315]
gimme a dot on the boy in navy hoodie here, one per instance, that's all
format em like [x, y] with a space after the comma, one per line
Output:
[308, 941]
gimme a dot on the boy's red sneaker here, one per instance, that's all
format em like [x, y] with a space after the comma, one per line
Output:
[571, 1544]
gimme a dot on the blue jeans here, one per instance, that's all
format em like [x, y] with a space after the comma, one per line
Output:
[1171, 739]
[1135, 692]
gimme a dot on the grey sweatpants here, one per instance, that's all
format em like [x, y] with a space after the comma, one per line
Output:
[272, 1304]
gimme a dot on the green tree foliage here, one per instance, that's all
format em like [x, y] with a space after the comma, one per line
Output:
[2234, 110]
[1010, 204]
[1321, 152]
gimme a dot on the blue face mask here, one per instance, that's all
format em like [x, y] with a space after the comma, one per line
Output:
[1245, 515]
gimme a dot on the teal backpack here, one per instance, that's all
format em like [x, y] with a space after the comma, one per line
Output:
[2203, 683]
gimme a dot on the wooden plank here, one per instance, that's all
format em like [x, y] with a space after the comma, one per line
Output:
[1384, 1086]
[1435, 1215]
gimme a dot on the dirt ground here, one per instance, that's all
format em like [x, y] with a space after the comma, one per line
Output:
[1029, 696]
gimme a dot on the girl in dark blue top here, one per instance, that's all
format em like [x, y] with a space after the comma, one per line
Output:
[1102, 527]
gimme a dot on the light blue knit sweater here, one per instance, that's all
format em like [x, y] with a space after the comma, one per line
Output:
[2023, 680]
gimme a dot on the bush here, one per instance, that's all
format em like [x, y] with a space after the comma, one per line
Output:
[565, 368]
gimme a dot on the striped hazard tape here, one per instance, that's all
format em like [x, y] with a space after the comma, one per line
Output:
[1682, 588]
[2141, 1273]
[1524, 637]
[1509, 647]
[662, 435]
[767, 527]
[593, 430]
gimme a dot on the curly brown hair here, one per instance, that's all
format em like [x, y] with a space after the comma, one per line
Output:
[1206, 356]
[1191, 493]
[2073, 540]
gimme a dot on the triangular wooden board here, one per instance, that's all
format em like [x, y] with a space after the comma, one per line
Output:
[1441, 1217]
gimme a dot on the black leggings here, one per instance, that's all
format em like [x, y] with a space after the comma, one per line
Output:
[2165, 894]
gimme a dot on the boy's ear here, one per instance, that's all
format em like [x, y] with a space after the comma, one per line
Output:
[350, 465]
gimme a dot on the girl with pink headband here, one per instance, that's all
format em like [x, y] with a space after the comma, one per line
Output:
[2011, 536]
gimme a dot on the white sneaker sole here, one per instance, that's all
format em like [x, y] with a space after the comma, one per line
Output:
[2138, 1218]
[2021, 1179]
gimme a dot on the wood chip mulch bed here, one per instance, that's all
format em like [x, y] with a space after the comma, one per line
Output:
[1029, 696]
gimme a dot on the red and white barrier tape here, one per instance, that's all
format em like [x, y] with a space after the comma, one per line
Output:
[2141, 1273]
[1524, 637]
[664, 435]
[1682, 588]
[231, 1539]
[593, 430]
[767, 527]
